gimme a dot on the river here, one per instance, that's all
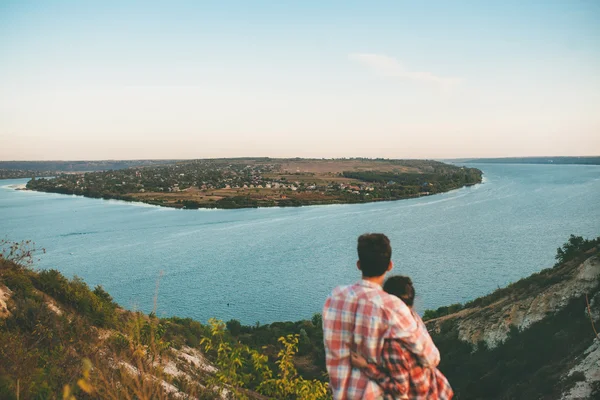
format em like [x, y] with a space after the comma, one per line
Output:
[279, 264]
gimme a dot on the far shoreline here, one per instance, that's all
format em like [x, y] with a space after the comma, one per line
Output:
[266, 183]
[169, 207]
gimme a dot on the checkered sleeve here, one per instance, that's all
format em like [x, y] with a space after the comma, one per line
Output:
[336, 350]
[393, 378]
[410, 378]
[444, 389]
[411, 331]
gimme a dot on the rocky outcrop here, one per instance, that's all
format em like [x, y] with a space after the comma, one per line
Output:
[4, 297]
[547, 292]
[589, 366]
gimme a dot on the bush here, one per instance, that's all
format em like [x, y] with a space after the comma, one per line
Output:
[97, 305]
[573, 248]
[18, 282]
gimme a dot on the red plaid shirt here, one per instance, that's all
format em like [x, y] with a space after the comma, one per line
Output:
[359, 318]
[402, 377]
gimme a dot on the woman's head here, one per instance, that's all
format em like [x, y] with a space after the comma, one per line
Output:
[401, 287]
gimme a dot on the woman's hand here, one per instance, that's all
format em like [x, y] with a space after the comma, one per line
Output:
[357, 360]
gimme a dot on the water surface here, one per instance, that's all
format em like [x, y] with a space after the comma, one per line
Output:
[277, 264]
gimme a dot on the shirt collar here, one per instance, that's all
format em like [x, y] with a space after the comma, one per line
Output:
[369, 284]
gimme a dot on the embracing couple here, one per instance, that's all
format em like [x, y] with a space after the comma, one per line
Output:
[376, 345]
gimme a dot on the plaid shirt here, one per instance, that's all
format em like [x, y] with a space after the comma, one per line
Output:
[359, 318]
[401, 377]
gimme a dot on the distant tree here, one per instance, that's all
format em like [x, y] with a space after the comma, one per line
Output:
[234, 327]
[574, 246]
[317, 320]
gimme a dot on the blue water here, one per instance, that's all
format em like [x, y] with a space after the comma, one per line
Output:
[278, 264]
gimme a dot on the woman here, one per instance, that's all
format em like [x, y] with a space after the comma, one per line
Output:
[400, 376]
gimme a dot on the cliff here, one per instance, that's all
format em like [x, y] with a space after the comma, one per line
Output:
[536, 334]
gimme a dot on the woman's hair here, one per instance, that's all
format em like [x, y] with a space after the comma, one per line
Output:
[401, 287]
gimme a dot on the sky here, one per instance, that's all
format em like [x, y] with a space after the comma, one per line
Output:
[197, 79]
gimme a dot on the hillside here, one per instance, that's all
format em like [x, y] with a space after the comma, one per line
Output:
[531, 340]
[61, 339]
[29, 169]
[265, 182]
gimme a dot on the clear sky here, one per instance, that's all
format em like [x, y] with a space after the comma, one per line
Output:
[419, 79]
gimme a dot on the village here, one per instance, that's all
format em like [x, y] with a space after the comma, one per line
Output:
[237, 183]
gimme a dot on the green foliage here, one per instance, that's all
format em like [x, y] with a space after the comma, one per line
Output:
[573, 248]
[317, 320]
[241, 368]
[184, 331]
[236, 202]
[38, 348]
[151, 333]
[234, 327]
[19, 282]
[311, 352]
[442, 311]
[442, 177]
[288, 384]
[97, 305]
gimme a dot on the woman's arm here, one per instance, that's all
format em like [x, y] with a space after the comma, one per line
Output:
[370, 369]
[394, 377]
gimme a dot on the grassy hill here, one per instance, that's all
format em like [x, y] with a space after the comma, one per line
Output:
[61, 339]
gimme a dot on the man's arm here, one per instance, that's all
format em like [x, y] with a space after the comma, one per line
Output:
[337, 354]
[395, 380]
[411, 331]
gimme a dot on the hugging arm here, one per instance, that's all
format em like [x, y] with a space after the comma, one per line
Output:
[411, 331]
[394, 379]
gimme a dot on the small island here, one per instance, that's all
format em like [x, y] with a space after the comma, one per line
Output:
[265, 182]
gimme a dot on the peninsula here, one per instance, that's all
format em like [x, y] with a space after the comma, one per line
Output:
[265, 182]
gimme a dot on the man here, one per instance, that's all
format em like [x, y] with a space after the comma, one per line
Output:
[360, 317]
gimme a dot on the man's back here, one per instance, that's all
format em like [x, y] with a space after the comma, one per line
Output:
[358, 318]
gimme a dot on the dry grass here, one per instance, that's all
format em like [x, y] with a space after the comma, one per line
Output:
[339, 166]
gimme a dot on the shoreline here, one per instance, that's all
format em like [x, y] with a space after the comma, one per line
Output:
[207, 208]
[18, 186]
